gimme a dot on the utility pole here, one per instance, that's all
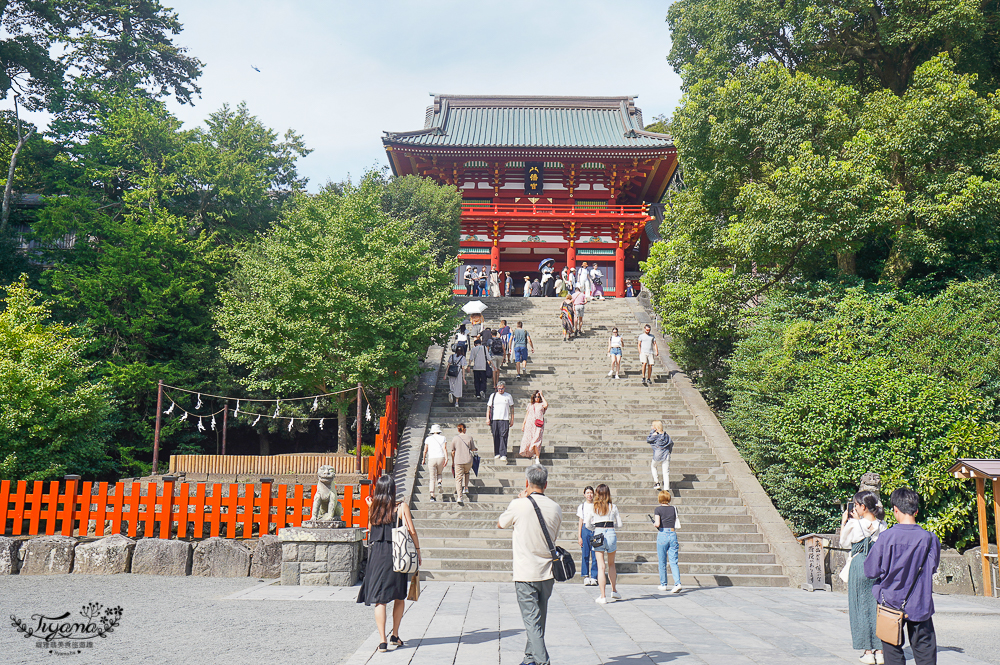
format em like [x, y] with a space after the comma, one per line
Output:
[156, 431]
[357, 448]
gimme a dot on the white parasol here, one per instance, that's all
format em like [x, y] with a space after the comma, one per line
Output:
[474, 307]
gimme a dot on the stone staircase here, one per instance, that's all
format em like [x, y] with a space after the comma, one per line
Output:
[595, 432]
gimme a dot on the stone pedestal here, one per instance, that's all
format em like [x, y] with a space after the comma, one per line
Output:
[320, 557]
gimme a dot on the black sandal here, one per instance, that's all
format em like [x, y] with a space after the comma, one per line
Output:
[383, 647]
[395, 640]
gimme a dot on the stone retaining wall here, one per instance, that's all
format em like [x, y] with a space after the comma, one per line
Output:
[213, 557]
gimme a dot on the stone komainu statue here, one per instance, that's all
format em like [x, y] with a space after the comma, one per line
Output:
[326, 506]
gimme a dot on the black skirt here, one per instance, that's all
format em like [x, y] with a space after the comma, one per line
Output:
[382, 584]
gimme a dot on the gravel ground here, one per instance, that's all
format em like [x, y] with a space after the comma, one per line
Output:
[182, 620]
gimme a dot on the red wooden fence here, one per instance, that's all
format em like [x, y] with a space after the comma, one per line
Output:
[387, 438]
[181, 510]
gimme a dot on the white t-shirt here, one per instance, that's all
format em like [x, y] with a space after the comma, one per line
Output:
[532, 559]
[616, 341]
[502, 405]
[612, 517]
[435, 446]
[584, 510]
[646, 343]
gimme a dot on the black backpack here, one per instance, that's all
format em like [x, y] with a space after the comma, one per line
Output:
[496, 346]
[597, 280]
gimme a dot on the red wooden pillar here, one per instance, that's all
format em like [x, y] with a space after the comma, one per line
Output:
[620, 271]
[571, 256]
[495, 255]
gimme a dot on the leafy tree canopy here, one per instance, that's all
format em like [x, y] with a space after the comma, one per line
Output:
[109, 46]
[434, 210]
[55, 418]
[339, 293]
[861, 43]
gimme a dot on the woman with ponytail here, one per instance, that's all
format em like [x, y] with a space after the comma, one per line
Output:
[860, 526]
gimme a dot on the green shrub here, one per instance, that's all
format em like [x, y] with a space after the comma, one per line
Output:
[878, 382]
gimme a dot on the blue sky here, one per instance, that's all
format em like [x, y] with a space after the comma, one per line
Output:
[341, 73]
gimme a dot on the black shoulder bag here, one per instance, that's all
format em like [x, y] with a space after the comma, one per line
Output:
[563, 566]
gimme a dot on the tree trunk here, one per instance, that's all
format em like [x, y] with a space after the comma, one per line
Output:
[265, 442]
[343, 434]
[5, 211]
[898, 265]
[847, 263]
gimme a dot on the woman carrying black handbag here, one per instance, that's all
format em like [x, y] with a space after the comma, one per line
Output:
[602, 521]
[382, 584]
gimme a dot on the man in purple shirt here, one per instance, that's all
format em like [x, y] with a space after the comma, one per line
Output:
[906, 557]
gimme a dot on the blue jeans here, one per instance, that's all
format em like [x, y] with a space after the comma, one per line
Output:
[589, 558]
[667, 548]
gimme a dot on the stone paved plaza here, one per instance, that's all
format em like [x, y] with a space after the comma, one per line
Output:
[479, 623]
[211, 620]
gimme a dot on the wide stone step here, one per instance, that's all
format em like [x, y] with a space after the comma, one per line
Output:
[476, 565]
[687, 579]
[625, 554]
[595, 432]
[690, 541]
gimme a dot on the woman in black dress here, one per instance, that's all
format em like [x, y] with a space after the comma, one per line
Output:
[382, 584]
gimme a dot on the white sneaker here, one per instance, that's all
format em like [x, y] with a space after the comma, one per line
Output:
[602, 600]
[867, 658]
[610, 374]
[503, 458]
[662, 587]
[617, 377]
[459, 500]
[879, 659]
[496, 457]
[677, 588]
[594, 582]
[586, 581]
[615, 595]
[451, 398]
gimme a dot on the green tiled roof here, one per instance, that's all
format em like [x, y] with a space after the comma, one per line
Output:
[532, 122]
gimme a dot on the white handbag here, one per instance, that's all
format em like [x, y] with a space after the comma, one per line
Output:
[404, 551]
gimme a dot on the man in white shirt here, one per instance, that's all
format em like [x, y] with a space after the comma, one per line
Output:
[533, 579]
[500, 416]
[647, 347]
[436, 456]
[583, 280]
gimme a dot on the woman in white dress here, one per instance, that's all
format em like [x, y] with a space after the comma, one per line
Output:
[494, 284]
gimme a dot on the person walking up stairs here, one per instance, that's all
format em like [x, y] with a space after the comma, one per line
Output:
[595, 432]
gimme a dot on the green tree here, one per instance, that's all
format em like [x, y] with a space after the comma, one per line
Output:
[55, 418]
[339, 293]
[434, 210]
[867, 45]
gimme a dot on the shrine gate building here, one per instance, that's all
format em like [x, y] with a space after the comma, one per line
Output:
[567, 178]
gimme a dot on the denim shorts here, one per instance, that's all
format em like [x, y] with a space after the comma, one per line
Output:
[616, 351]
[610, 540]
[520, 354]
